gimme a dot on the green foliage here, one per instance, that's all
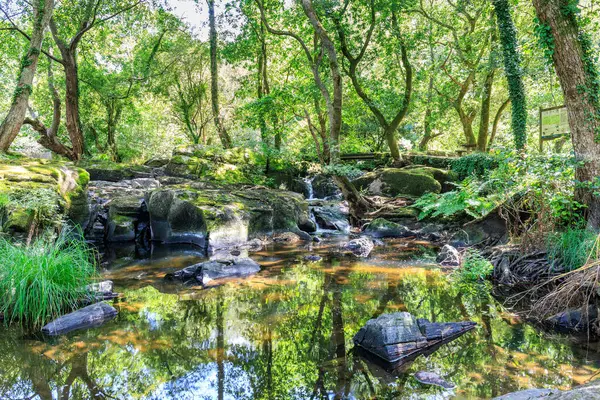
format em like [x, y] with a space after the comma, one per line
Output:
[477, 164]
[539, 185]
[573, 248]
[467, 199]
[474, 268]
[348, 171]
[43, 281]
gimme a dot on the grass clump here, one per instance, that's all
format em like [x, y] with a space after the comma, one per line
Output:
[43, 281]
[573, 248]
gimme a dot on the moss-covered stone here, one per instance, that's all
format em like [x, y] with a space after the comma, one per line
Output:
[222, 216]
[382, 228]
[237, 165]
[40, 192]
[412, 181]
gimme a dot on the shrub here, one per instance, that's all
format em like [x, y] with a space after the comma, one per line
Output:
[44, 280]
[573, 248]
[477, 164]
[474, 268]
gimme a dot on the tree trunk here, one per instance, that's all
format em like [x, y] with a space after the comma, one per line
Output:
[214, 77]
[512, 68]
[579, 81]
[428, 135]
[10, 127]
[496, 122]
[73, 123]
[486, 99]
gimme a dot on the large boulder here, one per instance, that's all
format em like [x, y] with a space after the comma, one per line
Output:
[41, 192]
[207, 272]
[412, 181]
[223, 217]
[382, 228]
[400, 337]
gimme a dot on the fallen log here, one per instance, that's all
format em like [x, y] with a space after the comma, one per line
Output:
[84, 318]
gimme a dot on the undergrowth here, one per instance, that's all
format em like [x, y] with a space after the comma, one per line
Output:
[43, 281]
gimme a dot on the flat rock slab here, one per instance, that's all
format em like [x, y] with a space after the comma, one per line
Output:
[431, 378]
[88, 317]
[401, 337]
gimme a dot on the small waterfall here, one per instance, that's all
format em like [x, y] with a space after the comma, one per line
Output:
[309, 180]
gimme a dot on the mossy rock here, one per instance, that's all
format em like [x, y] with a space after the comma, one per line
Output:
[43, 192]
[223, 216]
[412, 181]
[382, 228]
[231, 166]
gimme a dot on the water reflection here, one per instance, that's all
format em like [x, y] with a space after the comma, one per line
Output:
[285, 333]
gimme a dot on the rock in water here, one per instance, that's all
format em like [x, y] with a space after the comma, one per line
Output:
[449, 256]
[209, 271]
[360, 247]
[313, 258]
[400, 337]
[431, 378]
[85, 318]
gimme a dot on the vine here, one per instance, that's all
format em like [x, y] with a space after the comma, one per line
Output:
[512, 68]
[545, 39]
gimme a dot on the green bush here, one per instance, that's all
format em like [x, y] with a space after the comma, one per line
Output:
[573, 248]
[478, 164]
[43, 281]
[474, 268]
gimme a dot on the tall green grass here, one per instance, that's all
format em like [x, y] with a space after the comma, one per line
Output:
[42, 281]
[573, 248]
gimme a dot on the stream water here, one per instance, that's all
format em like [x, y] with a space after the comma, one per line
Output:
[285, 333]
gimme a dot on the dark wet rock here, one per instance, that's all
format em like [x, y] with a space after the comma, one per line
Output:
[360, 247]
[382, 228]
[412, 181]
[88, 317]
[316, 239]
[307, 225]
[333, 216]
[118, 210]
[400, 337]
[589, 391]
[209, 271]
[290, 181]
[448, 256]
[324, 187]
[313, 258]
[490, 230]
[431, 378]
[574, 320]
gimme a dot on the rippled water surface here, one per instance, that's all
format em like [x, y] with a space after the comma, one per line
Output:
[285, 333]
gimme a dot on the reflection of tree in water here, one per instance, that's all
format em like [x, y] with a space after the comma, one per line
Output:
[289, 337]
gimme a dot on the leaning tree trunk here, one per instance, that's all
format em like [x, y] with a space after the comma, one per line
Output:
[578, 75]
[512, 68]
[486, 99]
[42, 11]
[214, 78]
